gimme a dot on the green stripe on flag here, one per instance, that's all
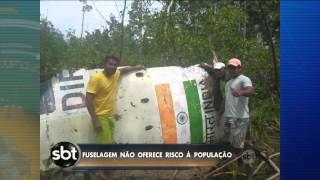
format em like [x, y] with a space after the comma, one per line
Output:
[195, 117]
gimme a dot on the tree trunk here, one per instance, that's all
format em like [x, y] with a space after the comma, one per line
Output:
[270, 42]
[166, 54]
[122, 28]
[83, 11]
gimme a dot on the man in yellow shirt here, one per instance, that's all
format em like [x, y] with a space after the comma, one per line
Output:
[101, 94]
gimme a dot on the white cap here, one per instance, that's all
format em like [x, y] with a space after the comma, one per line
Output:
[218, 65]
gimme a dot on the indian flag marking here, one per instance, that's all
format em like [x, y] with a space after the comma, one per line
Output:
[194, 108]
[167, 115]
[181, 113]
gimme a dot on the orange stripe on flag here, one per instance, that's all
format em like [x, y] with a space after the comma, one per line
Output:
[168, 120]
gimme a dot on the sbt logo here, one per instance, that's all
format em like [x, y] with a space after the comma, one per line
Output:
[248, 156]
[65, 154]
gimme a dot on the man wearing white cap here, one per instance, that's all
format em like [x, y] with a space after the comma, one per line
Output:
[218, 73]
[236, 114]
[219, 88]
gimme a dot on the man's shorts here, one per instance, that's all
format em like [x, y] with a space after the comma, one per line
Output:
[235, 130]
[105, 136]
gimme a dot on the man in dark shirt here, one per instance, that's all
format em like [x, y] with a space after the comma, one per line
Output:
[217, 71]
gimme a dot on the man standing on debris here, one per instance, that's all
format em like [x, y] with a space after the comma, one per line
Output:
[101, 95]
[236, 114]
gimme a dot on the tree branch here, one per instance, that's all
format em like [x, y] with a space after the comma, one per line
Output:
[226, 164]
